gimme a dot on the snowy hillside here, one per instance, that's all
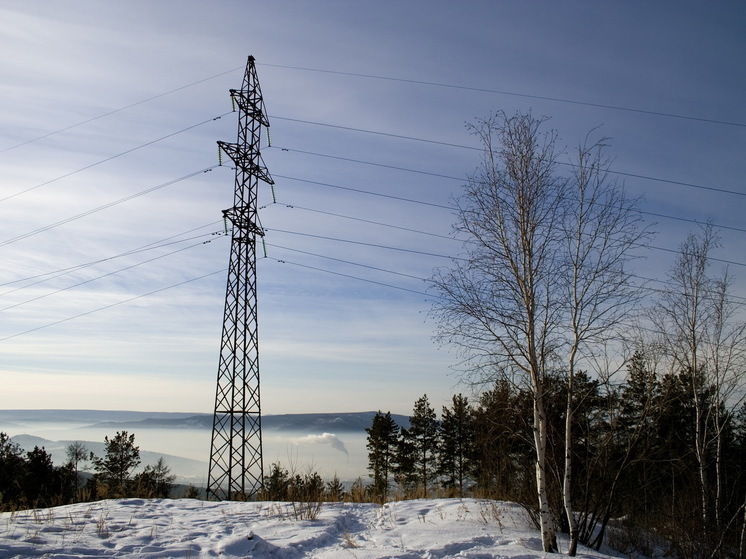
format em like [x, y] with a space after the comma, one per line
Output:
[435, 528]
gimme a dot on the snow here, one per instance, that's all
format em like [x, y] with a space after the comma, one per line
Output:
[187, 528]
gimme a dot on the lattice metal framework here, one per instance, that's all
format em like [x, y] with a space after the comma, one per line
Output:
[236, 464]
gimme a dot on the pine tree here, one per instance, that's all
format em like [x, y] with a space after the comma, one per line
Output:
[404, 467]
[334, 490]
[276, 483]
[42, 481]
[457, 444]
[422, 435]
[12, 467]
[382, 444]
[115, 468]
[155, 481]
[503, 444]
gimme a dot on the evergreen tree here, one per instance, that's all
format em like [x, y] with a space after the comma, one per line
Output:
[155, 481]
[404, 467]
[41, 480]
[457, 444]
[12, 467]
[334, 490]
[382, 444]
[422, 436]
[276, 483]
[307, 488]
[115, 468]
[504, 453]
[640, 411]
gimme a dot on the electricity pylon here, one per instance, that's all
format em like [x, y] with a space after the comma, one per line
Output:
[236, 464]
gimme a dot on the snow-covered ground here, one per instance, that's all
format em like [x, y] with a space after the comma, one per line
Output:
[185, 528]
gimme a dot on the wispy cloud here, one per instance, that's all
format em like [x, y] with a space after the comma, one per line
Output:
[326, 339]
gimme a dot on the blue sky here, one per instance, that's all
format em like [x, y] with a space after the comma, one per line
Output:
[101, 102]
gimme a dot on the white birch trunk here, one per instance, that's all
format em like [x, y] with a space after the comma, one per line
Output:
[548, 538]
[567, 481]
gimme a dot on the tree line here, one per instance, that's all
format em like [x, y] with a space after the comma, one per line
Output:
[30, 479]
[634, 446]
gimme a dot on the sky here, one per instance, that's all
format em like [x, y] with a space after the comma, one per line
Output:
[112, 261]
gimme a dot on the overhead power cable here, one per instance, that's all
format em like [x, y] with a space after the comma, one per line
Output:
[371, 222]
[514, 94]
[46, 276]
[476, 148]
[131, 266]
[370, 193]
[711, 258]
[348, 276]
[741, 301]
[120, 109]
[118, 303]
[146, 144]
[340, 260]
[105, 206]
[360, 191]
[377, 133]
[361, 243]
[363, 162]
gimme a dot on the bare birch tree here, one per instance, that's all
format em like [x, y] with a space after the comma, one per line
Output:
[500, 304]
[602, 230]
[696, 318]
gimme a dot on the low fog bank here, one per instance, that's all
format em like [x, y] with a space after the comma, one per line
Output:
[326, 443]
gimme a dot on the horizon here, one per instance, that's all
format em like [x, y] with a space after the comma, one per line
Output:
[329, 449]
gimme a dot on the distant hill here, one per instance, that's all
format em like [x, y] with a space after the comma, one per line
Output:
[185, 438]
[306, 422]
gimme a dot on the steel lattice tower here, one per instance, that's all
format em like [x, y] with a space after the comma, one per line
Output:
[236, 464]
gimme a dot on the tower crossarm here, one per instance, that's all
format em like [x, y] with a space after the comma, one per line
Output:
[246, 159]
[251, 104]
[240, 217]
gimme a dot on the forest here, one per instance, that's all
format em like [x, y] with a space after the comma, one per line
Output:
[637, 465]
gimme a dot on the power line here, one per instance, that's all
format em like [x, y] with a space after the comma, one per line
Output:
[508, 93]
[643, 212]
[643, 287]
[105, 307]
[150, 246]
[315, 268]
[358, 190]
[371, 222]
[515, 94]
[696, 222]
[476, 148]
[135, 265]
[361, 243]
[363, 162]
[146, 144]
[105, 206]
[120, 109]
[377, 269]
[348, 276]
[378, 133]
[712, 258]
